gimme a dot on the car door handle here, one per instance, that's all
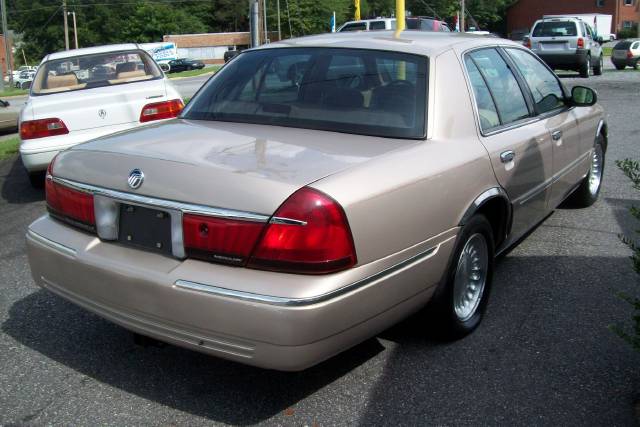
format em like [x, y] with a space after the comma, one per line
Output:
[556, 135]
[507, 156]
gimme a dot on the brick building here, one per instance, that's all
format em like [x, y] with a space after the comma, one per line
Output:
[522, 14]
[209, 47]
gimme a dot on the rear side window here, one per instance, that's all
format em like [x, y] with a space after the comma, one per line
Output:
[484, 101]
[356, 26]
[97, 70]
[635, 45]
[555, 29]
[377, 25]
[357, 91]
[502, 84]
[622, 45]
[544, 86]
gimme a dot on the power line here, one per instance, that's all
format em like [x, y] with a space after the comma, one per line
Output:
[124, 3]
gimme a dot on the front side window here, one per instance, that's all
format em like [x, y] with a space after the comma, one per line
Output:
[91, 71]
[555, 29]
[358, 91]
[543, 84]
[507, 95]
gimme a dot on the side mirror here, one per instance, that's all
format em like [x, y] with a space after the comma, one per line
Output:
[582, 96]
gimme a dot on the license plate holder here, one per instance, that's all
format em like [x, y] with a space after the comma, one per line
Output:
[145, 228]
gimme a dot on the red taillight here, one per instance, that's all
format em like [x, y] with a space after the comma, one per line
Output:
[318, 240]
[161, 110]
[42, 128]
[629, 54]
[527, 43]
[219, 239]
[580, 43]
[68, 204]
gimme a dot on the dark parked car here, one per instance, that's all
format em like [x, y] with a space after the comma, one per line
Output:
[230, 54]
[178, 65]
[626, 54]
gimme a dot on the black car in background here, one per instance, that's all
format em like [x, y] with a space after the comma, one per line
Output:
[178, 65]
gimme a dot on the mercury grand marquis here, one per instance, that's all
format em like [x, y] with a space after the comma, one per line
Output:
[318, 190]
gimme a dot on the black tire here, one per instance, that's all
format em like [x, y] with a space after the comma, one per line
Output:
[585, 69]
[597, 69]
[37, 179]
[636, 64]
[441, 311]
[619, 66]
[586, 195]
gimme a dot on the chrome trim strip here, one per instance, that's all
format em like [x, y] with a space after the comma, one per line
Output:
[549, 182]
[298, 302]
[286, 221]
[65, 250]
[164, 203]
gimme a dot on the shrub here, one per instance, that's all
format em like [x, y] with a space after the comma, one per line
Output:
[631, 169]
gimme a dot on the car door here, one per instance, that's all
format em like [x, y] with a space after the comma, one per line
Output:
[551, 107]
[592, 44]
[519, 145]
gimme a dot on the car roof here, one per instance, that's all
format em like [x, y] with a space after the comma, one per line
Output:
[428, 43]
[91, 50]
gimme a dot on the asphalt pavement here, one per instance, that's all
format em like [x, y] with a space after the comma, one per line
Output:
[543, 355]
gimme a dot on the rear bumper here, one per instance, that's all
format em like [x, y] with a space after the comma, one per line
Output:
[627, 62]
[565, 60]
[214, 309]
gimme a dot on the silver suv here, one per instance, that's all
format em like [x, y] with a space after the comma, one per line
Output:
[567, 44]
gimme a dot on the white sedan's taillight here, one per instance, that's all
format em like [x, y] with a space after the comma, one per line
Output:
[42, 128]
[161, 110]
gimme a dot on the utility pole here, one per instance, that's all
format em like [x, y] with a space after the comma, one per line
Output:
[66, 25]
[264, 21]
[75, 28]
[462, 13]
[255, 23]
[279, 29]
[7, 44]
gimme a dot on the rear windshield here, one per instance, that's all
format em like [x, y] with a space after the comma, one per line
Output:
[356, 91]
[623, 45]
[90, 71]
[555, 29]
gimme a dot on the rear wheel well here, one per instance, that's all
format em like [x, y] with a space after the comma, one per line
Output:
[496, 210]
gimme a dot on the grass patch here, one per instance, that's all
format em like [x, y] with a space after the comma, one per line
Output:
[193, 73]
[606, 51]
[13, 92]
[9, 147]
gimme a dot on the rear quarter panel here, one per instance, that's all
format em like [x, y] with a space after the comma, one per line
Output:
[401, 199]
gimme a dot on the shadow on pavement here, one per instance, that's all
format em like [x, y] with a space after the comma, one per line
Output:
[544, 353]
[15, 183]
[205, 386]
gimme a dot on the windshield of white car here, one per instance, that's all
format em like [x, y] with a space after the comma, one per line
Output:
[367, 92]
[97, 70]
[555, 29]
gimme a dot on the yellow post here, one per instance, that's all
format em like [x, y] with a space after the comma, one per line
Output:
[400, 19]
[356, 13]
[401, 72]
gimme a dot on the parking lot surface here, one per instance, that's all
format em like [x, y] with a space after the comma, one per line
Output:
[543, 355]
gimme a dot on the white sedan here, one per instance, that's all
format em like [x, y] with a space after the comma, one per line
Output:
[83, 94]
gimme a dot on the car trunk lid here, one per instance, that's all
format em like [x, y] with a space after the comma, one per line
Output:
[251, 168]
[101, 106]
